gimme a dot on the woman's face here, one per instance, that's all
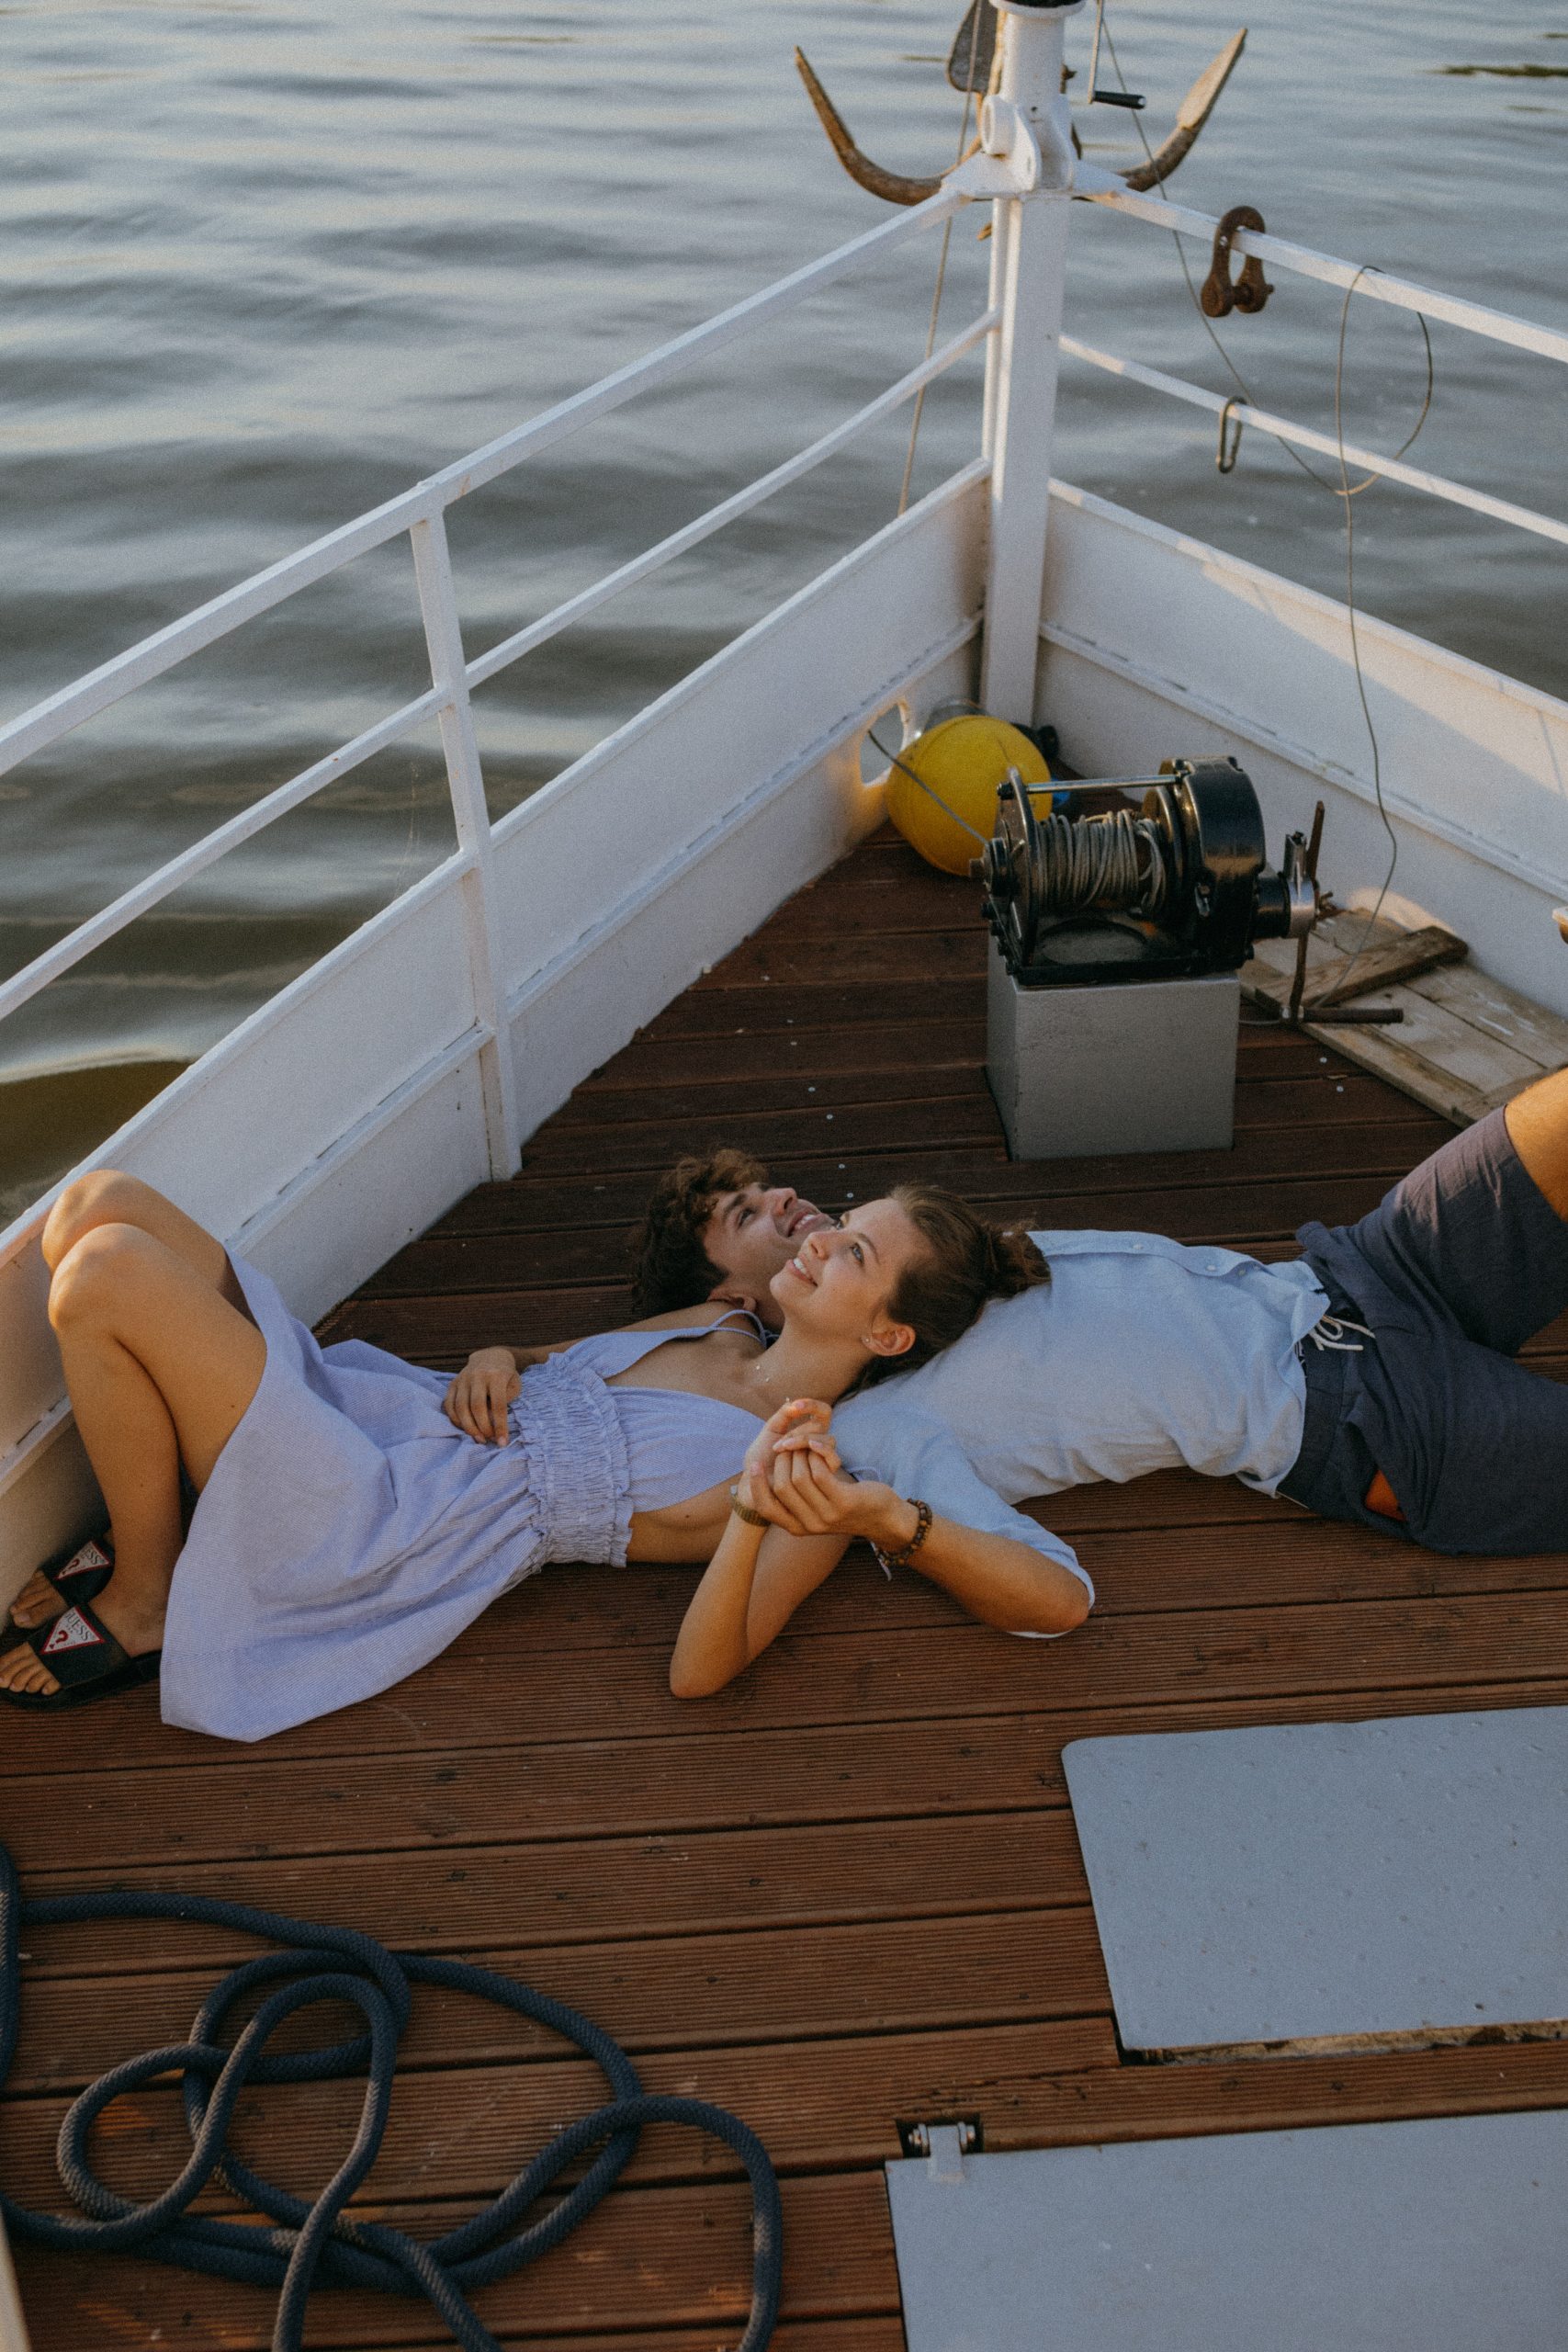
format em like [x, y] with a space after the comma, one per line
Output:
[838, 1281]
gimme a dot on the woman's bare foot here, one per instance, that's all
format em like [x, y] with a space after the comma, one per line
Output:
[136, 1629]
[49, 1590]
[37, 1601]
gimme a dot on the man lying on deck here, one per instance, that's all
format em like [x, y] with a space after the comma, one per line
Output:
[1373, 1379]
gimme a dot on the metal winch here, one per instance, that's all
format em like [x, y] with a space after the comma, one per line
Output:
[1172, 889]
[1117, 925]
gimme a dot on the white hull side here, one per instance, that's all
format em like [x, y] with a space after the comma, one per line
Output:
[1154, 644]
[346, 1115]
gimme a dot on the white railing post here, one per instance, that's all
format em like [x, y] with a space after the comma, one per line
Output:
[1002, 215]
[444, 637]
[1029, 269]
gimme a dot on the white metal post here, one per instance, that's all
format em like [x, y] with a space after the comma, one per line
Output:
[444, 637]
[1029, 276]
[1002, 215]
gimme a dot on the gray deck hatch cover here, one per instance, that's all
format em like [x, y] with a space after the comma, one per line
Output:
[1313, 1880]
[1440, 2236]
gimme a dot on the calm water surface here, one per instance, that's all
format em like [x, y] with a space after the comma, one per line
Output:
[264, 266]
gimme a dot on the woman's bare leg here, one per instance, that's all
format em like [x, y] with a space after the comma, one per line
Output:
[160, 1369]
[107, 1197]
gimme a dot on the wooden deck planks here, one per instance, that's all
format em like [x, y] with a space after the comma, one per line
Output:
[848, 1889]
[651, 2259]
[894, 1674]
[1463, 1045]
[773, 1983]
[820, 2106]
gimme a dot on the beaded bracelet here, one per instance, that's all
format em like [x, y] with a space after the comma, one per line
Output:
[745, 1511]
[901, 1559]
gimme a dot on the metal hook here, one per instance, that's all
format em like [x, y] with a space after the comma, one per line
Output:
[1226, 455]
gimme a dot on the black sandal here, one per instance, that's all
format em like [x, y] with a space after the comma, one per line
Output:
[85, 1659]
[78, 1574]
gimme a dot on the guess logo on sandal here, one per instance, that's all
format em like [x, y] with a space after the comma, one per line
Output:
[72, 1632]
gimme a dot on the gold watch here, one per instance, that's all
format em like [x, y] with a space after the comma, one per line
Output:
[745, 1511]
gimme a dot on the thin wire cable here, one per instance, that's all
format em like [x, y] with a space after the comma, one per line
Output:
[1344, 491]
[1336, 490]
[1111, 863]
[1353, 958]
[940, 275]
[1109, 851]
[905, 769]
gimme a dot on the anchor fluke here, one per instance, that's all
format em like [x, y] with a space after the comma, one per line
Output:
[1190, 116]
[894, 187]
[903, 188]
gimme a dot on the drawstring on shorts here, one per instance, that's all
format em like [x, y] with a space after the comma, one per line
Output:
[1331, 1382]
[1328, 1332]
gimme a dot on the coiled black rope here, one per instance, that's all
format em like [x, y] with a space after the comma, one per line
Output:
[312, 2243]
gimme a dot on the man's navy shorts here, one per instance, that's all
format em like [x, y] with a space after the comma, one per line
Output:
[1462, 1263]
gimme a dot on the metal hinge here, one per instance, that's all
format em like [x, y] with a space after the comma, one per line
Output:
[944, 2141]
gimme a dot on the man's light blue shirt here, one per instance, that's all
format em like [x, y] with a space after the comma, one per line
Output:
[1139, 1354]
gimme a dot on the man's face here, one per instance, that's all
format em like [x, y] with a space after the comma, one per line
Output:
[752, 1235]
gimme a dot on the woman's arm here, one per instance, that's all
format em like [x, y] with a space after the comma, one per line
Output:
[749, 1590]
[760, 1574]
[478, 1399]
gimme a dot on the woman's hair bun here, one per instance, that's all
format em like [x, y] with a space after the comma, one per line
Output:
[1013, 1261]
[966, 1264]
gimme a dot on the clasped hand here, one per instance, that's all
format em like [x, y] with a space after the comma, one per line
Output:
[793, 1475]
[476, 1401]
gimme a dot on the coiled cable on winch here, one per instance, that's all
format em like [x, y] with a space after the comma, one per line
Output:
[1113, 861]
[313, 2243]
[1178, 888]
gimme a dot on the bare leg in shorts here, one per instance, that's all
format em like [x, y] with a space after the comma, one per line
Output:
[1537, 1122]
[161, 1360]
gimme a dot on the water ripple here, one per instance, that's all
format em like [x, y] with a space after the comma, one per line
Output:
[266, 266]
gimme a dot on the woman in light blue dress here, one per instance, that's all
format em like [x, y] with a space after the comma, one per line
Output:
[355, 1512]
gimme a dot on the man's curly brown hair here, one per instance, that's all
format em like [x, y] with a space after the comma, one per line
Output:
[670, 1266]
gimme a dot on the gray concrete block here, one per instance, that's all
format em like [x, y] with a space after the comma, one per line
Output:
[1139, 1066]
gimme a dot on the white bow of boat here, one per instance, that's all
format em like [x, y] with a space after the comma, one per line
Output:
[412, 1061]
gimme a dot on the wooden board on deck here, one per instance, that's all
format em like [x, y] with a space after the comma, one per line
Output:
[846, 1890]
[1465, 1044]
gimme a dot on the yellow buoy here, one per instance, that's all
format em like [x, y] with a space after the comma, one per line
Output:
[961, 761]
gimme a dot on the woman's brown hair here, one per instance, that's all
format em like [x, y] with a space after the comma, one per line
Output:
[965, 1265]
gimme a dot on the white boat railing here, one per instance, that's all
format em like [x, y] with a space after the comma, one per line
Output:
[1475, 317]
[1362, 279]
[358, 1104]
[420, 511]
[48, 722]
[147, 893]
[1304, 437]
[35, 729]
